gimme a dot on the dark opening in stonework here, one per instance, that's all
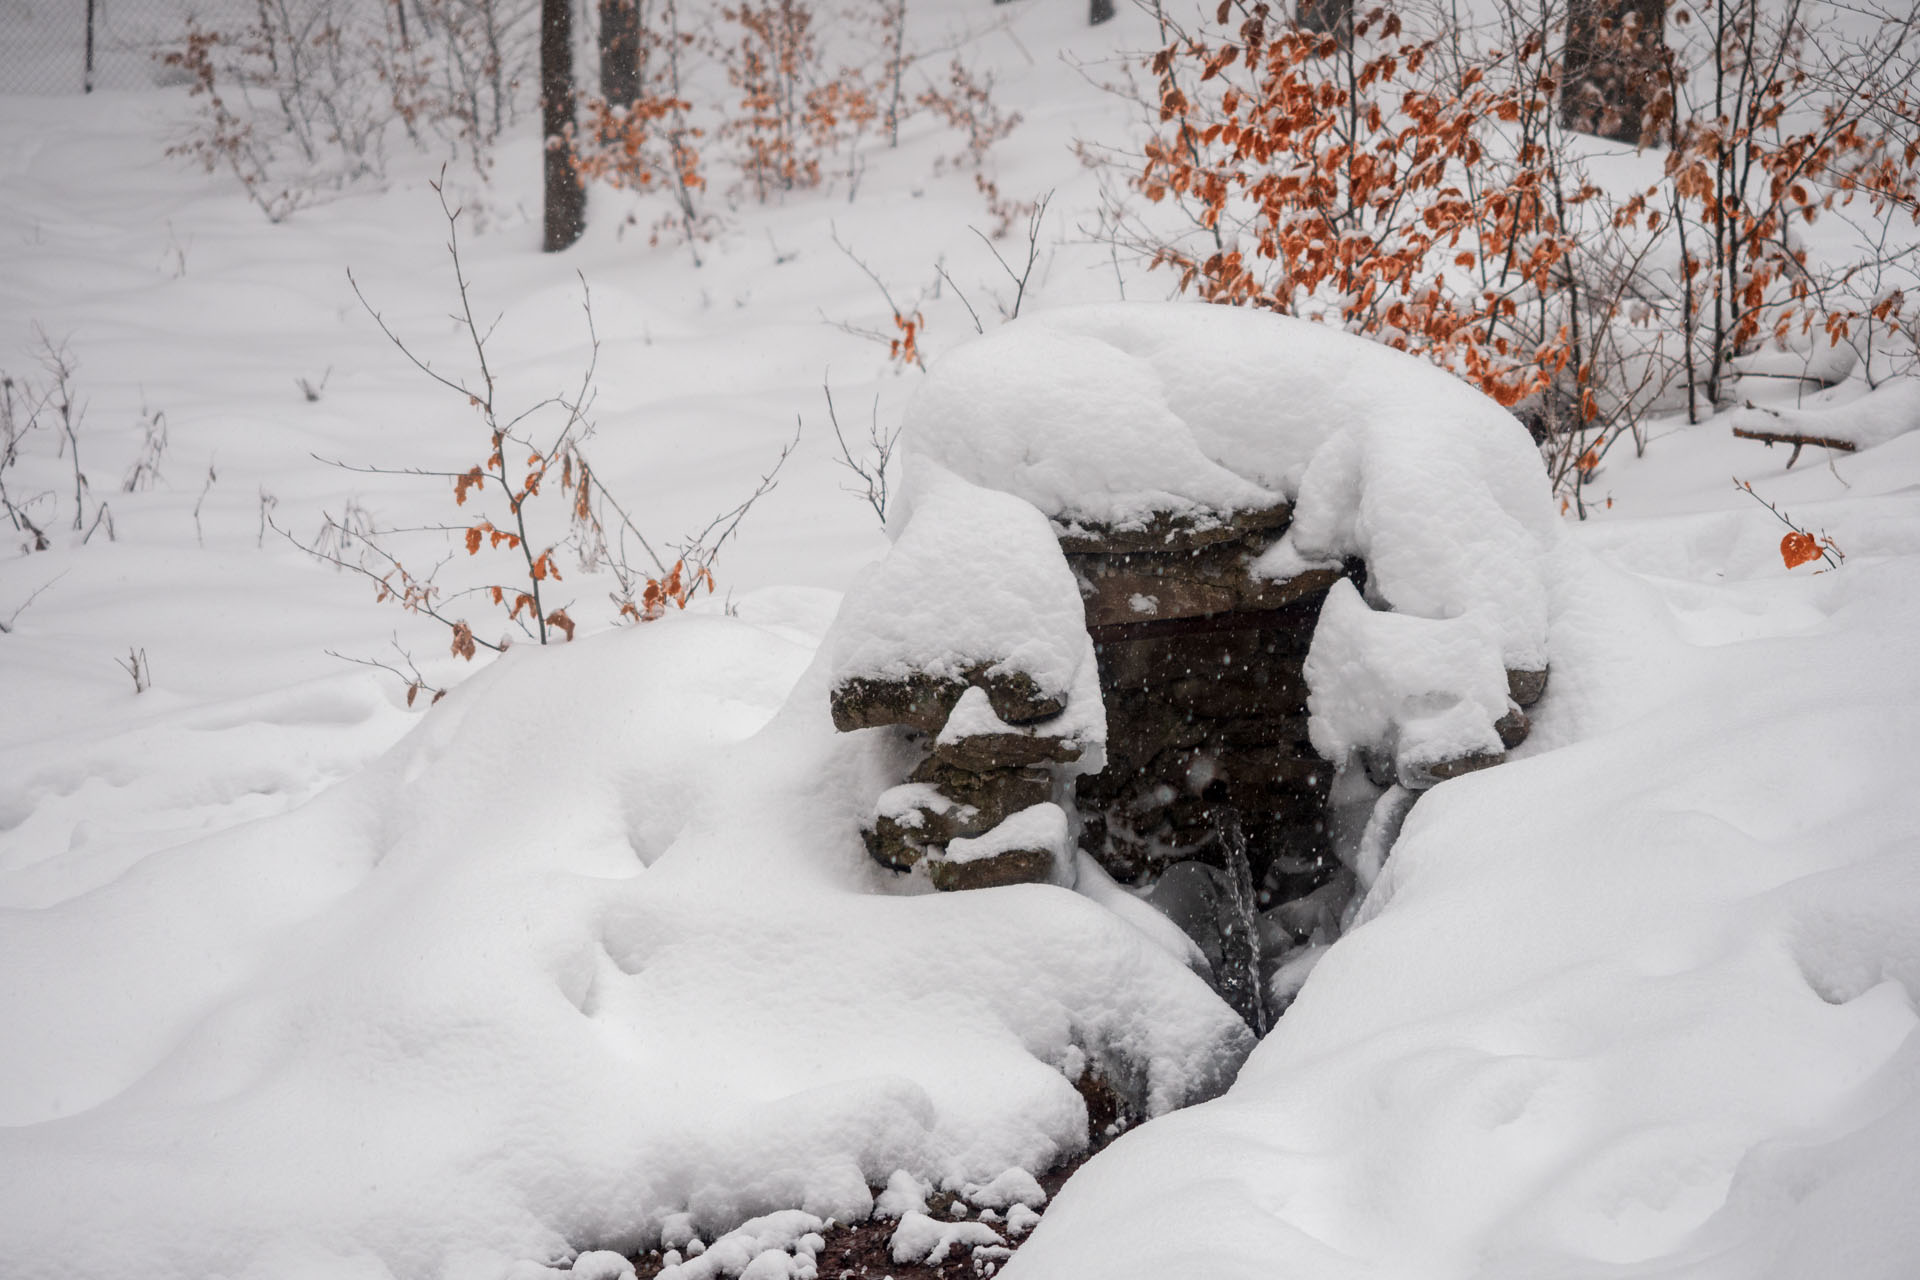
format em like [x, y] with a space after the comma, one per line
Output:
[1202, 712]
[1201, 671]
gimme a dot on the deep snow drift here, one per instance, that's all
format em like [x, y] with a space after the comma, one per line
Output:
[544, 977]
[298, 982]
[1640, 1004]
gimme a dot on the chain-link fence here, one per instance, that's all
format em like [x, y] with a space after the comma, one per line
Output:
[45, 47]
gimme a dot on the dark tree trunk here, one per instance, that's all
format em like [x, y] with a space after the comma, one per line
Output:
[87, 83]
[566, 199]
[1098, 11]
[1611, 67]
[619, 51]
[1335, 17]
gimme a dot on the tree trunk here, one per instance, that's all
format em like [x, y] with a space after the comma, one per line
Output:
[619, 51]
[566, 199]
[1098, 11]
[87, 83]
[1334, 17]
[1611, 66]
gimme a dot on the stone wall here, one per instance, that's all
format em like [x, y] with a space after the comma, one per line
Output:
[1201, 673]
[1200, 669]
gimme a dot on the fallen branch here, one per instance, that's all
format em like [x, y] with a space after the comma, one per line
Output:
[1797, 439]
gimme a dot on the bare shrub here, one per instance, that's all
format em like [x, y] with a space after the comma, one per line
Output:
[302, 100]
[501, 526]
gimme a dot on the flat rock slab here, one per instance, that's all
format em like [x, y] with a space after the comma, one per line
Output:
[1015, 866]
[1166, 532]
[985, 752]
[922, 701]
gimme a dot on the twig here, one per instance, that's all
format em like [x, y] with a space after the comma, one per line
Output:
[874, 477]
[414, 594]
[205, 489]
[411, 677]
[1033, 253]
[267, 503]
[902, 320]
[6, 628]
[135, 664]
[940, 268]
[698, 550]
[1822, 543]
[102, 516]
[311, 390]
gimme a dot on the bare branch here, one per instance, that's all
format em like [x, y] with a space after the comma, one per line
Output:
[6, 628]
[1033, 253]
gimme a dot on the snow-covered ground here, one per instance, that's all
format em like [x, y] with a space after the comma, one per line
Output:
[299, 981]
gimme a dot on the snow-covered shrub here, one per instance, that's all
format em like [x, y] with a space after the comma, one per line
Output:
[305, 98]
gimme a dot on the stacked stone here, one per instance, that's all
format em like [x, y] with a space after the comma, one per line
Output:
[1200, 668]
[979, 809]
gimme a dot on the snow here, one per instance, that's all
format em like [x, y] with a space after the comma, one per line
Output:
[516, 1016]
[1425, 689]
[1040, 826]
[904, 1194]
[300, 981]
[1639, 1003]
[1111, 415]
[928, 1241]
[1862, 420]
[975, 579]
[1015, 1186]
[601, 1264]
[776, 1246]
[910, 802]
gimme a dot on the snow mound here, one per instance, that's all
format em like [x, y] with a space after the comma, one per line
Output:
[904, 1194]
[1889, 410]
[974, 582]
[1040, 826]
[601, 1264]
[535, 983]
[1428, 690]
[927, 1241]
[1125, 416]
[775, 1246]
[1643, 1006]
[1015, 1186]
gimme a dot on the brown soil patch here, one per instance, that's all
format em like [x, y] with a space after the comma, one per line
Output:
[862, 1250]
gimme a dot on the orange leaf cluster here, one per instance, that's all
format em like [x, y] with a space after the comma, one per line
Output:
[1357, 178]
[677, 589]
[906, 347]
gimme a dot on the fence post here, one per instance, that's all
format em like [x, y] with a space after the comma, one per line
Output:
[87, 83]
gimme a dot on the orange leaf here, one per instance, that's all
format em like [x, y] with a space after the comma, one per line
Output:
[472, 479]
[558, 618]
[473, 539]
[463, 641]
[1797, 548]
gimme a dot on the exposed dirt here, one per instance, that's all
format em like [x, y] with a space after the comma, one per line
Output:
[862, 1250]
